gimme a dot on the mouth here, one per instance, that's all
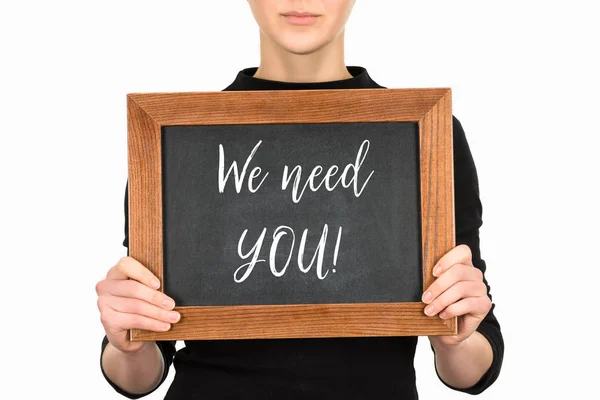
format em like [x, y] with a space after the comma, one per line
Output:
[299, 14]
[300, 18]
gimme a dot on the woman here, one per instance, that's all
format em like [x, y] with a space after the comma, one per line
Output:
[302, 47]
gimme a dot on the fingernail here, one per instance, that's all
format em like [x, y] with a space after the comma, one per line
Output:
[174, 316]
[427, 296]
[437, 270]
[429, 309]
[155, 283]
[443, 315]
[169, 303]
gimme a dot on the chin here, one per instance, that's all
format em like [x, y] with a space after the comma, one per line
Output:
[302, 48]
[300, 44]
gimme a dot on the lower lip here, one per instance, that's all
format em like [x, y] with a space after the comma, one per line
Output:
[297, 20]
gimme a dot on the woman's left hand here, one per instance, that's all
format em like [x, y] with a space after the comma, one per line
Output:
[459, 291]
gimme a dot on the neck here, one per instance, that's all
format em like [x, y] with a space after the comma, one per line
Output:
[323, 65]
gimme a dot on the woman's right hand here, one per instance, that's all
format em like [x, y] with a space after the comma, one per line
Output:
[134, 303]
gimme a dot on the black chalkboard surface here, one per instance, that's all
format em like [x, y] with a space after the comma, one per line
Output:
[362, 234]
[293, 213]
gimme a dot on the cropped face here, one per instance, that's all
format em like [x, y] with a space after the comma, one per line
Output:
[301, 27]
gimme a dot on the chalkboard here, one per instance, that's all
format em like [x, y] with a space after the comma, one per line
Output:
[362, 227]
[288, 214]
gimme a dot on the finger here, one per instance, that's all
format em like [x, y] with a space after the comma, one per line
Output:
[117, 321]
[453, 294]
[460, 254]
[459, 272]
[470, 305]
[129, 267]
[140, 307]
[136, 290]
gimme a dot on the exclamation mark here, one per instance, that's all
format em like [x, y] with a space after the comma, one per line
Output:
[337, 248]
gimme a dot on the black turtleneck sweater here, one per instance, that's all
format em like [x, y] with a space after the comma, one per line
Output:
[332, 368]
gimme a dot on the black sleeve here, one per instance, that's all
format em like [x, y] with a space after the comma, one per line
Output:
[468, 220]
[167, 348]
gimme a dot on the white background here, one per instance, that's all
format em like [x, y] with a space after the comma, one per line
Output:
[524, 76]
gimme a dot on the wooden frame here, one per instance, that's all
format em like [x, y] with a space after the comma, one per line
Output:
[430, 107]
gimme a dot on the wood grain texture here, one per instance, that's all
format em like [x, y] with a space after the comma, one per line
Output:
[145, 189]
[288, 106]
[430, 107]
[437, 185]
[301, 321]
